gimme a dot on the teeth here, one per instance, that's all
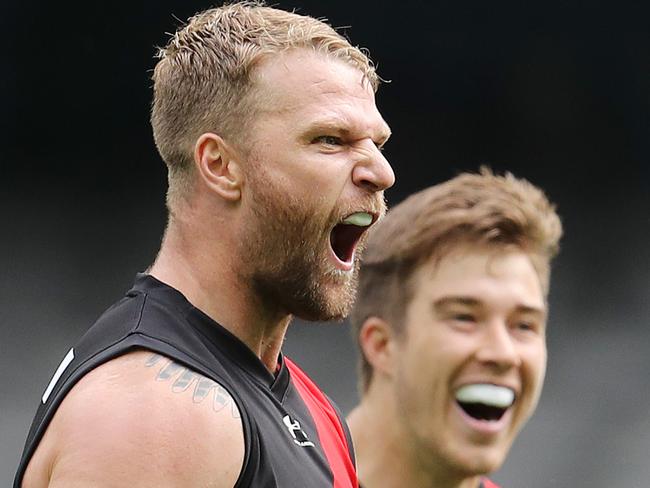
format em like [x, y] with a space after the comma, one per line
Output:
[492, 395]
[361, 219]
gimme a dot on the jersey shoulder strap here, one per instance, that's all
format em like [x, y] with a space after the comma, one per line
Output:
[486, 483]
[332, 431]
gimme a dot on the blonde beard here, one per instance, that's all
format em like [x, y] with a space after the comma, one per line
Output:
[284, 256]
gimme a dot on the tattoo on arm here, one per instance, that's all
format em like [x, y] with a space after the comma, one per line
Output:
[184, 378]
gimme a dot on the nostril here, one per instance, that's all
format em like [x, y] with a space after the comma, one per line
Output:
[370, 186]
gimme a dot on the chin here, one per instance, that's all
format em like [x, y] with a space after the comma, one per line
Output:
[330, 303]
[323, 312]
[481, 463]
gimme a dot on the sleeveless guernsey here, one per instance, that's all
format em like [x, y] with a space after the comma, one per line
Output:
[294, 435]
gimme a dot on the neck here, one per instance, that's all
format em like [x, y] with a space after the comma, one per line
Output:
[386, 456]
[202, 265]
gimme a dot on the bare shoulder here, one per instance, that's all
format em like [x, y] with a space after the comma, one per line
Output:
[141, 420]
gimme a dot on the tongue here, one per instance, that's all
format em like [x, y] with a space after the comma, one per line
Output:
[344, 239]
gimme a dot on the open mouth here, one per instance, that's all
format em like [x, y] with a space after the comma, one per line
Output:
[346, 235]
[484, 401]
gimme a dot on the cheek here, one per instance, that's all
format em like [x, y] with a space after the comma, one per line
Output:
[408, 361]
[414, 387]
[541, 374]
[534, 363]
[425, 363]
[538, 362]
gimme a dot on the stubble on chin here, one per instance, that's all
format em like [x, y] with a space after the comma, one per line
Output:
[319, 293]
[285, 256]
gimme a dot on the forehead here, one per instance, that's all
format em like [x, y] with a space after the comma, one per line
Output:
[309, 86]
[504, 277]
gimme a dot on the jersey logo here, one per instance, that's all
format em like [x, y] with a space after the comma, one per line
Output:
[57, 374]
[299, 436]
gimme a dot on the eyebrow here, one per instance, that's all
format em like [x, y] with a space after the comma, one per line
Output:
[455, 300]
[467, 301]
[385, 134]
[342, 125]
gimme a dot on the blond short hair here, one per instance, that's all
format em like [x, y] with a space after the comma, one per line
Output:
[202, 81]
[482, 210]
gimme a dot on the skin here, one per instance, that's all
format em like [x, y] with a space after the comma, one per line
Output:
[478, 316]
[320, 150]
[122, 425]
[312, 159]
[323, 168]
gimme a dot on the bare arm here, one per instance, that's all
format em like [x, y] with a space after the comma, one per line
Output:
[141, 420]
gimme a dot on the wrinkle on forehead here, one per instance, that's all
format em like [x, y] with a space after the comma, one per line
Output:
[469, 269]
[283, 84]
[304, 90]
[326, 87]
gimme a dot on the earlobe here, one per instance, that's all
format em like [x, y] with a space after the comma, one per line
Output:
[377, 341]
[217, 167]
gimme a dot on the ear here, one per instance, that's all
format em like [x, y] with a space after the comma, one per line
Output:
[217, 166]
[378, 344]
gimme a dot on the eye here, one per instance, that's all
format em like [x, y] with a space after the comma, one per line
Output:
[527, 326]
[463, 321]
[328, 140]
[464, 317]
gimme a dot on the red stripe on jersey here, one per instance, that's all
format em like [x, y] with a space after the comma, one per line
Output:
[330, 431]
[488, 484]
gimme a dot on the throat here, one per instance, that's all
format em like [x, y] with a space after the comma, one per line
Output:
[266, 342]
[344, 239]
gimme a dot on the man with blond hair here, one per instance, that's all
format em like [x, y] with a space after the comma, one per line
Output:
[182, 383]
[450, 320]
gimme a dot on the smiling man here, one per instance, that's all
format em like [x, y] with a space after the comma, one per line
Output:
[451, 318]
[268, 125]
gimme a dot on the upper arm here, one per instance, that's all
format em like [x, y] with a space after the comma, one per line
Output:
[142, 420]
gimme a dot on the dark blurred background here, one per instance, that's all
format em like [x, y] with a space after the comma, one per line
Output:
[558, 93]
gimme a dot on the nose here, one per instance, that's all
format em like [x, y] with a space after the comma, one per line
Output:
[372, 172]
[498, 348]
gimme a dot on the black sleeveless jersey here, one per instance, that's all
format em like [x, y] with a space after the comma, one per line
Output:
[484, 483]
[293, 434]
